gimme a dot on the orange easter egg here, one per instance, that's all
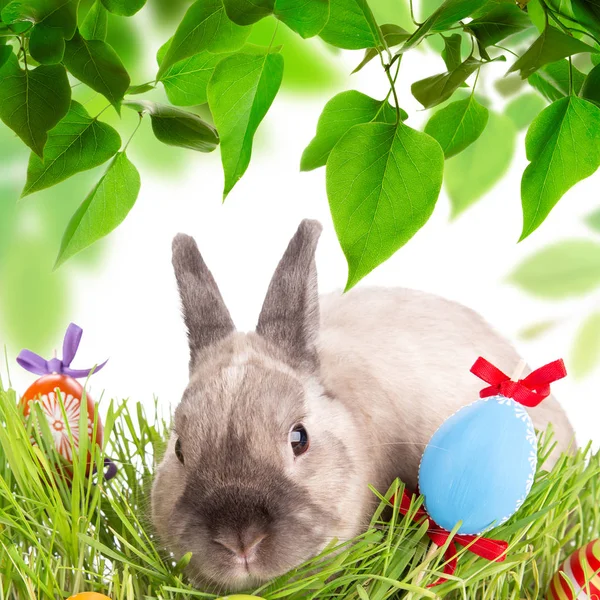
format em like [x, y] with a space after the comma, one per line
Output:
[48, 390]
[582, 570]
[89, 596]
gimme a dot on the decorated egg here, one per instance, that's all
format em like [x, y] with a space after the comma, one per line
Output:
[581, 569]
[50, 391]
[479, 465]
[89, 596]
[57, 385]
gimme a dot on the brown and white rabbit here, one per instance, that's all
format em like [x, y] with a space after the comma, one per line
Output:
[280, 432]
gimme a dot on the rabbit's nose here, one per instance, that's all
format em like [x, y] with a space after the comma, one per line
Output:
[243, 545]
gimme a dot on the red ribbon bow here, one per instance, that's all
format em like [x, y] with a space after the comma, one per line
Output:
[529, 391]
[493, 550]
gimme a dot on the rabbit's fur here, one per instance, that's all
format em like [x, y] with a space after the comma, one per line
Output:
[370, 379]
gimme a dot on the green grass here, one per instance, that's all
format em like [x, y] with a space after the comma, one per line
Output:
[59, 538]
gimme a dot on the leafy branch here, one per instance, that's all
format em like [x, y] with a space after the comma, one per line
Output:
[383, 177]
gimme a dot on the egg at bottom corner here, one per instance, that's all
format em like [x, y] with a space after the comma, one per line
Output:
[89, 596]
[479, 465]
[581, 569]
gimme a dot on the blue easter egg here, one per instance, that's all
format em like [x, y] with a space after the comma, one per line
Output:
[479, 465]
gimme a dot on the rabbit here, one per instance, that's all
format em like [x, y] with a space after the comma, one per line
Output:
[281, 431]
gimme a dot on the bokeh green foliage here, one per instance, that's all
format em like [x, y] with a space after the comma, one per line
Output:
[35, 299]
[153, 110]
[567, 271]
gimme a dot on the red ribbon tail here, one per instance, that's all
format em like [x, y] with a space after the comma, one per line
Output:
[486, 371]
[449, 568]
[492, 550]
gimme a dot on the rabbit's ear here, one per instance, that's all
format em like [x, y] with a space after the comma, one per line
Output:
[205, 314]
[290, 313]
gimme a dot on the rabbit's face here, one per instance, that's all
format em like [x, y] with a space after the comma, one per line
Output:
[255, 472]
[262, 470]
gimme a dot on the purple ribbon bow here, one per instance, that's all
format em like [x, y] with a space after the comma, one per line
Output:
[36, 364]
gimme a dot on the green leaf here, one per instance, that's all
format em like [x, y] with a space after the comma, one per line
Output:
[33, 101]
[176, 127]
[537, 14]
[536, 330]
[383, 181]
[133, 90]
[46, 45]
[438, 88]
[5, 53]
[451, 52]
[458, 125]
[95, 24]
[509, 85]
[473, 172]
[247, 12]
[585, 355]
[591, 86]
[53, 22]
[552, 81]
[97, 65]
[205, 26]
[310, 68]
[76, 144]
[584, 14]
[563, 147]
[123, 8]
[340, 114]
[450, 12]
[550, 46]
[392, 11]
[240, 93]
[186, 81]
[103, 210]
[393, 35]
[500, 22]
[305, 18]
[348, 27]
[567, 269]
[524, 108]
[593, 220]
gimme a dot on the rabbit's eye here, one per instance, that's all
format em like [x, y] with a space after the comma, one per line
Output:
[299, 439]
[178, 452]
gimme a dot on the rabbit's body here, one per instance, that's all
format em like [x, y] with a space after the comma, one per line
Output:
[280, 432]
[399, 360]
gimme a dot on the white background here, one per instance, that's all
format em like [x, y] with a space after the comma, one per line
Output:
[129, 307]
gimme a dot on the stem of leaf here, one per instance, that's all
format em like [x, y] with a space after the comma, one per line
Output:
[141, 116]
[505, 50]
[574, 30]
[475, 82]
[22, 40]
[570, 76]
[393, 90]
[108, 106]
[412, 15]
[388, 94]
[274, 34]
[558, 22]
